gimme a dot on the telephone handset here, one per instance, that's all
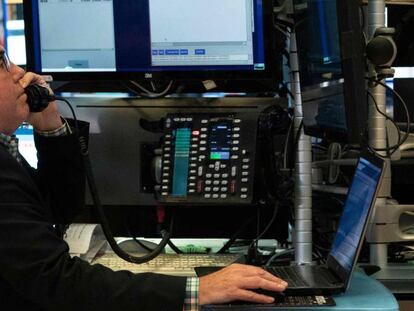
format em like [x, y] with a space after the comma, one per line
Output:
[38, 97]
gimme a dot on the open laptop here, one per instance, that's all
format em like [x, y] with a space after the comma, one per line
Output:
[334, 276]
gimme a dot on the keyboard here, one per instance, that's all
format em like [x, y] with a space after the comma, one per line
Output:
[289, 274]
[172, 264]
[305, 301]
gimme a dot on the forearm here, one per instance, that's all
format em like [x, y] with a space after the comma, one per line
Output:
[60, 174]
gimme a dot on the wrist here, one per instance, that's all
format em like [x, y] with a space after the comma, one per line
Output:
[50, 124]
[203, 292]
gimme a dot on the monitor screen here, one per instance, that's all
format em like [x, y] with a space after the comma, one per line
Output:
[401, 17]
[324, 113]
[15, 41]
[149, 39]
[332, 69]
[356, 210]
[27, 148]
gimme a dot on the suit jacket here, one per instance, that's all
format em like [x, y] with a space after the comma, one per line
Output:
[36, 270]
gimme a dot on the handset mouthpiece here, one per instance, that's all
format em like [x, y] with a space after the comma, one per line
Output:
[38, 97]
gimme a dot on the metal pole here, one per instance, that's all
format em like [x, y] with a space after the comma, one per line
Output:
[377, 126]
[302, 237]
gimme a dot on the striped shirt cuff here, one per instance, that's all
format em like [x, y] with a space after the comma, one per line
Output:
[64, 129]
[191, 295]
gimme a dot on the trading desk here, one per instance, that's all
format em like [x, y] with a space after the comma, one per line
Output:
[364, 293]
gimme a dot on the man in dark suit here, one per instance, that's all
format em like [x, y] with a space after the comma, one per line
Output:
[36, 270]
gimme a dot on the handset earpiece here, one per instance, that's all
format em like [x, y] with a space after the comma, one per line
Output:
[38, 97]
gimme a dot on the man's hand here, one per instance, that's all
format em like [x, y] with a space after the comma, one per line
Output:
[235, 283]
[49, 119]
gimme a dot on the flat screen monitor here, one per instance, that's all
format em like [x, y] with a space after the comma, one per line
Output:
[332, 69]
[401, 17]
[27, 148]
[15, 41]
[404, 87]
[150, 39]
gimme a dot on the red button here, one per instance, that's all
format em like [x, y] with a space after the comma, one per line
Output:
[233, 186]
[196, 133]
[199, 186]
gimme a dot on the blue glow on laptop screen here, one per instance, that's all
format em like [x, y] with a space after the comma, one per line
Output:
[355, 212]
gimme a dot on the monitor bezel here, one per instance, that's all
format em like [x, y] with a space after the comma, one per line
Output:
[353, 64]
[273, 62]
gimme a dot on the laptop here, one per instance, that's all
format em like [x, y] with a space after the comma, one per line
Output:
[334, 276]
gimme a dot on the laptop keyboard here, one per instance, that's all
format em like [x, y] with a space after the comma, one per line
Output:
[324, 272]
[289, 275]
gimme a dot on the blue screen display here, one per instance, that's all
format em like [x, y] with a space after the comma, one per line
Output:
[318, 41]
[148, 35]
[354, 216]
[181, 161]
[220, 141]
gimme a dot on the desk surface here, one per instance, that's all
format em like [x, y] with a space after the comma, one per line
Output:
[364, 293]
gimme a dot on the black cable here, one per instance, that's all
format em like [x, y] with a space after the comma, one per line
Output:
[254, 244]
[408, 122]
[275, 211]
[233, 238]
[149, 95]
[174, 247]
[362, 13]
[95, 197]
[75, 120]
[149, 249]
[294, 146]
[402, 101]
[170, 243]
[393, 148]
[138, 242]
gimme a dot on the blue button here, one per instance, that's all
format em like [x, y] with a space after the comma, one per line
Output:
[184, 52]
[154, 52]
[160, 52]
[172, 52]
[200, 52]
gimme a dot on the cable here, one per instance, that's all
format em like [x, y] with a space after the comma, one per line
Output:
[75, 120]
[394, 147]
[149, 94]
[253, 245]
[362, 15]
[295, 144]
[276, 255]
[233, 238]
[286, 145]
[132, 235]
[402, 101]
[407, 132]
[95, 197]
[170, 243]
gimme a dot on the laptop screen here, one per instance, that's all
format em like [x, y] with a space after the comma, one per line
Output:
[356, 209]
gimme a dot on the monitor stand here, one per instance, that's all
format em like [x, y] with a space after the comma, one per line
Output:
[398, 278]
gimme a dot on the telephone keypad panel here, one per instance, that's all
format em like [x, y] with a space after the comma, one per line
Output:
[208, 158]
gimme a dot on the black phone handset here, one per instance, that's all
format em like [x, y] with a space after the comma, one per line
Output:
[38, 97]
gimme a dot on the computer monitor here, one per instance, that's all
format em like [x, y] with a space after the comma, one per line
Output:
[15, 42]
[401, 17]
[27, 148]
[332, 69]
[13, 25]
[150, 39]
